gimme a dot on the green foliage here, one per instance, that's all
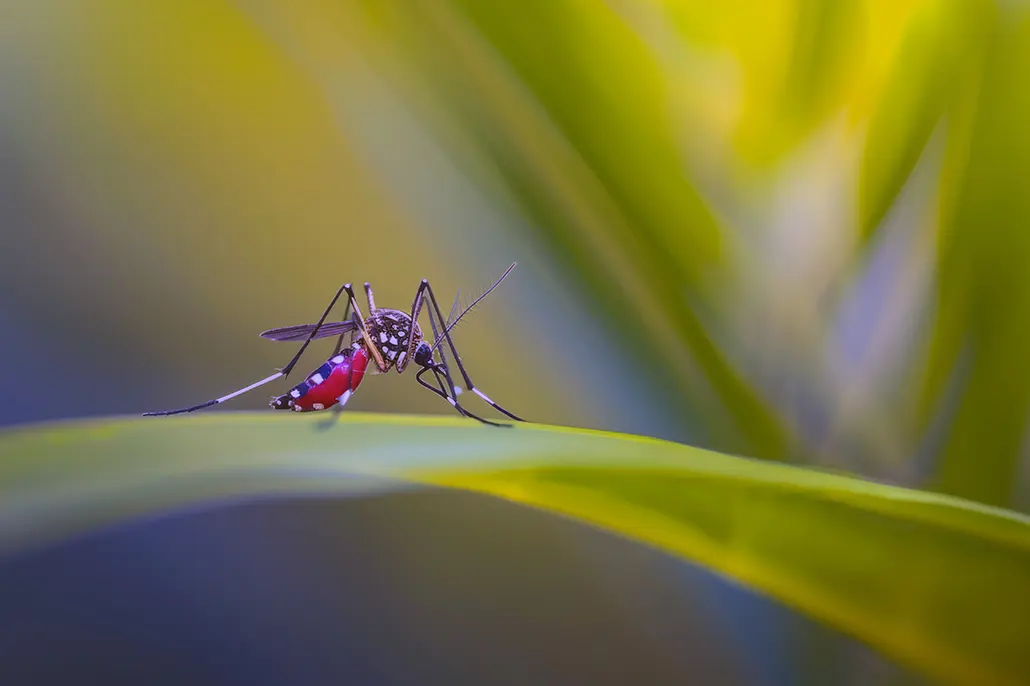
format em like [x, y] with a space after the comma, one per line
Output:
[583, 137]
[984, 324]
[632, 157]
[938, 65]
[935, 582]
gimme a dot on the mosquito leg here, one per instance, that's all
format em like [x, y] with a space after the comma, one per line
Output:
[443, 387]
[321, 320]
[457, 360]
[443, 374]
[216, 401]
[455, 390]
[282, 373]
[441, 391]
[442, 371]
[448, 391]
[339, 341]
[443, 394]
[416, 308]
[359, 319]
[441, 384]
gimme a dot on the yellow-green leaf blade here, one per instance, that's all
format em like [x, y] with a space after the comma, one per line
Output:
[936, 582]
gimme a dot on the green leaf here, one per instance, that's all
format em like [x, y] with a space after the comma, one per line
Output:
[938, 58]
[983, 323]
[935, 582]
[826, 39]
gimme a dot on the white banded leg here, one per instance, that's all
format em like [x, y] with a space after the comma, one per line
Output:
[216, 401]
[447, 390]
[442, 392]
[360, 321]
[282, 373]
[457, 360]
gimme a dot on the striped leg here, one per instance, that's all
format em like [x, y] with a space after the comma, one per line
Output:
[457, 360]
[360, 321]
[282, 373]
[442, 375]
[216, 401]
[442, 392]
[342, 336]
[416, 309]
[285, 371]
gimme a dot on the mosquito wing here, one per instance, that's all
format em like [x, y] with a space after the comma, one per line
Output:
[302, 331]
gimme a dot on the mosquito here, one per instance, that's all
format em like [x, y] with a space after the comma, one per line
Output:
[386, 339]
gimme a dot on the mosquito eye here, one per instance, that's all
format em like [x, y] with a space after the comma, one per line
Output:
[423, 354]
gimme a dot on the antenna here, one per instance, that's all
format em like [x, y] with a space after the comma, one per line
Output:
[475, 302]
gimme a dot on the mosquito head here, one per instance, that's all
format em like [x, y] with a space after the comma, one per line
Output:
[424, 355]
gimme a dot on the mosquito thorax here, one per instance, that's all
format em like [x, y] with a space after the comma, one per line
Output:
[389, 331]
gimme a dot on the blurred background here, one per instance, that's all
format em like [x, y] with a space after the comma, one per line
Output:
[792, 230]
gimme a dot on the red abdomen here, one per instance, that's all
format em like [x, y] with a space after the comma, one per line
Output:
[323, 388]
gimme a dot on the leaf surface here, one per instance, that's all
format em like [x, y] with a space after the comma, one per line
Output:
[936, 582]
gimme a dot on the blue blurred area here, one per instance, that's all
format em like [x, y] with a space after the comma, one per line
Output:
[51, 377]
